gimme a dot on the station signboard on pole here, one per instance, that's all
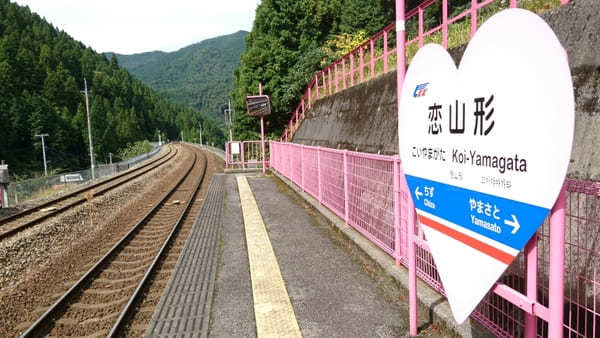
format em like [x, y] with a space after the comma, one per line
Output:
[258, 105]
[485, 148]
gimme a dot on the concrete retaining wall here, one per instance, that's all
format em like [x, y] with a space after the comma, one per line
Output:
[363, 118]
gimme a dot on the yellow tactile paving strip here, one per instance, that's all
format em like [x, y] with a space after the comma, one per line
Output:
[272, 307]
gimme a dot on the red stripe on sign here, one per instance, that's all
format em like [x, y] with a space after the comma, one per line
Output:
[470, 241]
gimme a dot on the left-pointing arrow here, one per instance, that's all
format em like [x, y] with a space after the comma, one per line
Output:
[514, 223]
[418, 194]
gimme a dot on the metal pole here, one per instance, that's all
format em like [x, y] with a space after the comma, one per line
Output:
[200, 130]
[159, 140]
[262, 141]
[412, 274]
[262, 133]
[3, 189]
[397, 229]
[557, 266]
[400, 69]
[401, 53]
[110, 157]
[5, 197]
[89, 123]
[346, 198]
[531, 255]
[229, 122]
[44, 152]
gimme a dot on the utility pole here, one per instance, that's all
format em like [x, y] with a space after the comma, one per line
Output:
[200, 131]
[229, 112]
[89, 123]
[44, 152]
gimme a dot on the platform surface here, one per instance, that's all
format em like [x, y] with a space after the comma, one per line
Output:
[184, 309]
[324, 291]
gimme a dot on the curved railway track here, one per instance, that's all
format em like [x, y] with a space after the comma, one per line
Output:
[27, 218]
[98, 304]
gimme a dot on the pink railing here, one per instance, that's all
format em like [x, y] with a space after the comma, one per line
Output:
[369, 193]
[377, 55]
[245, 154]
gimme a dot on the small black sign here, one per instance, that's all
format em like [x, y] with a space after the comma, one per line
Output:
[258, 105]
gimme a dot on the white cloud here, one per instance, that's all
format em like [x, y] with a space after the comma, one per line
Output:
[134, 26]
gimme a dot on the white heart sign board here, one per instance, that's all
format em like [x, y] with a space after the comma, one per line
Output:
[485, 148]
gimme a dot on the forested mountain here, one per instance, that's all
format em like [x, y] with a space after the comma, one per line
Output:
[42, 73]
[199, 75]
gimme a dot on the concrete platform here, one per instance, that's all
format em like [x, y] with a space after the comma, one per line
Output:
[330, 293]
[184, 308]
[334, 286]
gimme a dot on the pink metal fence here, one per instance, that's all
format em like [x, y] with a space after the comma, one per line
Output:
[378, 54]
[245, 154]
[366, 190]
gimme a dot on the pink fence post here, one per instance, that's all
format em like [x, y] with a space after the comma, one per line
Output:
[372, 48]
[410, 218]
[272, 160]
[445, 24]
[227, 155]
[412, 274]
[557, 266]
[351, 69]
[385, 51]
[320, 193]
[336, 77]
[329, 78]
[531, 256]
[309, 100]
[473, 17]
[303, 108]
[361, 63]
[302, 168]
[317, 85]
[262, 143]
[397, 224]
[324, 84]
[242, 154]
[344, 73]
[346, 192]
[513, 3]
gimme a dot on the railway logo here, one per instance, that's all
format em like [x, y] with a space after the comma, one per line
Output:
[421, 90]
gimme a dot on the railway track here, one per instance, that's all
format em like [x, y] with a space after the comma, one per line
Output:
[98, 304]
[27, 218]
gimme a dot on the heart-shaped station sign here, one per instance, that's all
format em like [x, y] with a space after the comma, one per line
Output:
[485, 148]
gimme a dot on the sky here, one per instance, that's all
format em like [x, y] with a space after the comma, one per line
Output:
[136, 26]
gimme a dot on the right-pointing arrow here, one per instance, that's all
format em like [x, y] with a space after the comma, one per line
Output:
[514, 223]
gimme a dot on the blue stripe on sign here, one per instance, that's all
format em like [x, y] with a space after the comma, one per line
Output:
[479, 212]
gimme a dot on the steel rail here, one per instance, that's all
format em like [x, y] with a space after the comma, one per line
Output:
[94, 270]
[138, 291]
[143, 170]
[78, 191]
